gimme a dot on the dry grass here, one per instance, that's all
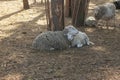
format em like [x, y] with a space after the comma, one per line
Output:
[18, 61]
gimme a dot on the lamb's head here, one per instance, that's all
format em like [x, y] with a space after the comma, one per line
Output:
[70, 31]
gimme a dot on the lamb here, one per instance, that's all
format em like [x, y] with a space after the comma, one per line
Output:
[80, 40]
[51, 40]
[105, 12]
[70, 32]
[91, 21]
[77, 38]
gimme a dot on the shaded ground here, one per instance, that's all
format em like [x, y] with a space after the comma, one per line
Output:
[18, 61]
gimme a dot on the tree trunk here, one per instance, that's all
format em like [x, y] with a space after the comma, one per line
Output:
[41, 1]
[68, 8]
[26, 4]
[48, 14]
[80, 11]
[57, 12]
[35, 2]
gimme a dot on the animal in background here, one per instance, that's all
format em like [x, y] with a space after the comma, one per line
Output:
[105, 12]
[91, 21]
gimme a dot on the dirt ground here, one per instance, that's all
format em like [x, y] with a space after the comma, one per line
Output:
[18, 61]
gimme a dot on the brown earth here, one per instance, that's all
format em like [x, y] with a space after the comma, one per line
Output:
[18, 61]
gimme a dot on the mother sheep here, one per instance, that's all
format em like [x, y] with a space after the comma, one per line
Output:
[50, 40]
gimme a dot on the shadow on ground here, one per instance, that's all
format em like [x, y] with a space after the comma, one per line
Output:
[19, 62]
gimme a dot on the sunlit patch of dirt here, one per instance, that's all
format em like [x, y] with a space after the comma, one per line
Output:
[18, 61]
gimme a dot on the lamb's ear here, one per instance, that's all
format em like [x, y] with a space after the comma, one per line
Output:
[65, 31]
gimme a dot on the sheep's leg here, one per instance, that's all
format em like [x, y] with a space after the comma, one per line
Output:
[107, 24]
[104, 24]
[91, 43]
[101, 24]
[98, 25]
[79, 45]
[111, 23]
[87, 40]
[114, 22]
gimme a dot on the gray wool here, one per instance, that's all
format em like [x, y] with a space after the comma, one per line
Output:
[50, 40]
[105, 11]
[90, 21]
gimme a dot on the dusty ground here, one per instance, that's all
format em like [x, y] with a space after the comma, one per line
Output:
[18, 61]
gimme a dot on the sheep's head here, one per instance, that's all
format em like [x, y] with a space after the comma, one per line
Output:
[90, 21]
[70, 31]
[97, 13]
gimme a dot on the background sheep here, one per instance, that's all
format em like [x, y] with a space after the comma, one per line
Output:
[51, 41]
[105, 12]
[90, 21]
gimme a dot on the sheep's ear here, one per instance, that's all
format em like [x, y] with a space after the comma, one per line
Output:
[65, 31]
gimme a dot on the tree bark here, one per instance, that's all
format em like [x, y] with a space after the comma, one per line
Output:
[68, 8]
[57, 12]
[80, 11]
[35, 2]
[41, 1]
[26, 4]
[48, 14]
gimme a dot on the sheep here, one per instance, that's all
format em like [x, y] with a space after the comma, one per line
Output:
[105, 12]
[91, 21]
[70, 32]
[77, 38]
[60, 40]
[80, 40]
[51, 40]
[117, 4]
